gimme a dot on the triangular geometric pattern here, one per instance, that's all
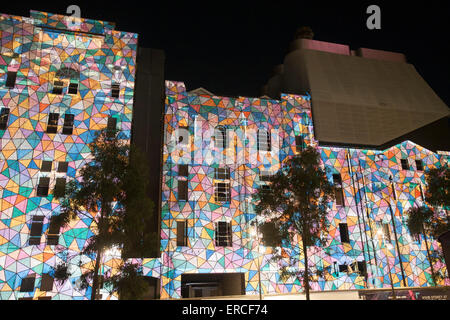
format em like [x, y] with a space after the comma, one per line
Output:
[86, 56]
[368, 199]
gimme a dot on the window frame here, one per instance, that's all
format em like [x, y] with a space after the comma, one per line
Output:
[223, 238]
[344, 234]
[182, 238]
[52, 123]
[4, 118]
[264, 143]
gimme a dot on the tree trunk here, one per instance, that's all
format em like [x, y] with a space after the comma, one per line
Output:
[429, 259]
[95, 278]
[306, 277]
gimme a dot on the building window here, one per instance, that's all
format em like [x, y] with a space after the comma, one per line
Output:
[405, 165]
[111, 127]
[60, 188]
[298, 143]
[63, 166]
[42, 188]
[419, 165]
[4, 116]
[361, 268]
[115, 90]
[222, 191]
[183, 135]
[223, 234]
[386, 231]
[343, 231]
[52, 125]
[265, 175]
[264, 140]
[27, 284]
[46, 166]
[46, 282]
[68, 123]
[10, 79]
[182, 190]
[220, 136]
[338, 192]
[58, 87]
[183, 170]
[36, 230]
[181, 233]
[73, 88]
[343, 268]
[222, 173]
[53, 232]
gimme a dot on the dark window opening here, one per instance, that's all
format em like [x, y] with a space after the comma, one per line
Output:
[182, 190]
[111, 127]
[73, 88]
[343, 231]
[265, 188]
[183, 170]
[223, 234]
[181, 233]
[36, 230]
[298, 143]
[264, 140]
[343, 268]
[419, 165]
[11, 79]
[222, 173]
[42, 188]
[27, 284]
[46, 166]
[4, 116]
[60, 187]
[338, 192]
[222, 192]
[362, 268]
[53, 232]
[68, 123]
[52, 125]
[405, 165]
[46, 282]
[63, 166]
[386, 231]
[115, 90]
[58, 87]
[220, 137]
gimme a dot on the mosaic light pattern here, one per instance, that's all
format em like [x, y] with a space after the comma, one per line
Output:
[41, 49]
[367, 191]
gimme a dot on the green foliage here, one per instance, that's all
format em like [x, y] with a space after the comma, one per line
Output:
[438, 187]
[418, 217]
[113, 189]
[130, 283]
[61, 272]
[297, 204]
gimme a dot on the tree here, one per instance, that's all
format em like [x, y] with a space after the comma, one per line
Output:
[129, 283]
[419, 222]
[296, 205]
[437, 193]
[111, 191]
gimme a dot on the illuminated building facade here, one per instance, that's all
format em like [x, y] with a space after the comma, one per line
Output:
[219, 150]
[61, 80]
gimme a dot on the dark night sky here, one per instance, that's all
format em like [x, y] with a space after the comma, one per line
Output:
[230, 48]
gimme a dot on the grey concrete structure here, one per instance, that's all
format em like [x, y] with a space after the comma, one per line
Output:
[361, 97]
